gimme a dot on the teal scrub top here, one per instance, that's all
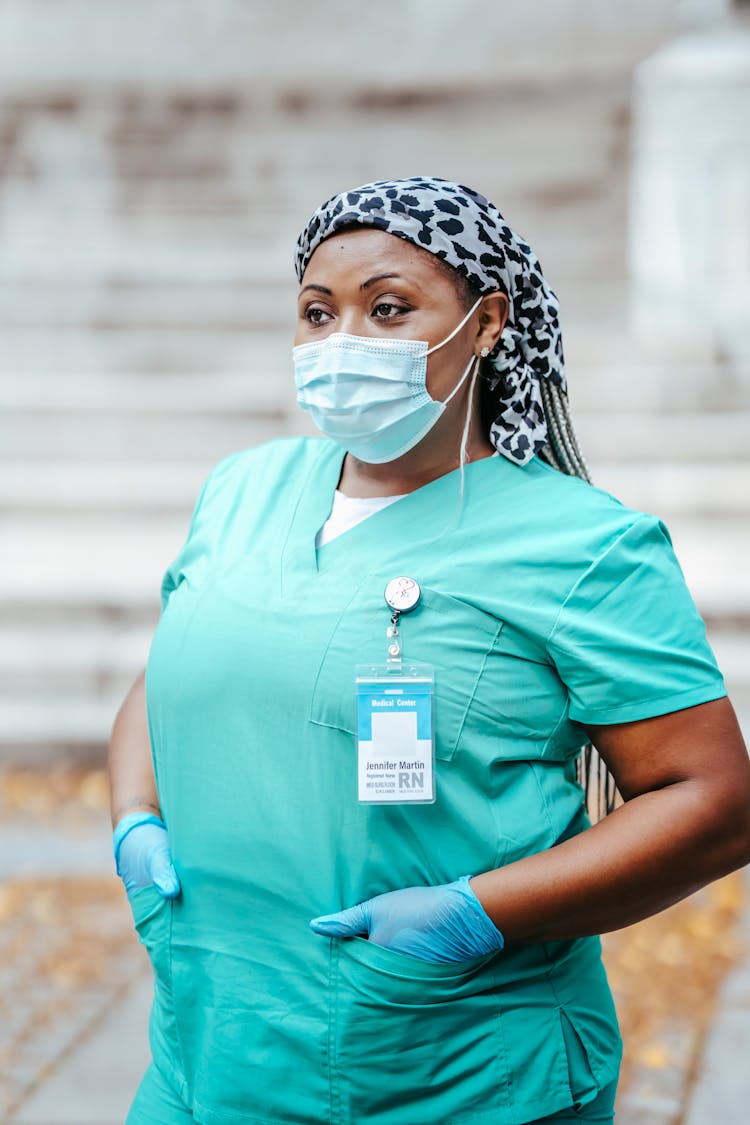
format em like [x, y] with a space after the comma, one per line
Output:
[546, 604]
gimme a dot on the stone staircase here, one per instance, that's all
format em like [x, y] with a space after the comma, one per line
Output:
[146, 313]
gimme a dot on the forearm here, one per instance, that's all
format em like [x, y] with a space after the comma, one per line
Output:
[648, 854]
[131, 775]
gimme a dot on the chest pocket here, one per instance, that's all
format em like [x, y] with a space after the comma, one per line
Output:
[456, 638]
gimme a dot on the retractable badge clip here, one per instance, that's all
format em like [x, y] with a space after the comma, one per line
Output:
[402, 595]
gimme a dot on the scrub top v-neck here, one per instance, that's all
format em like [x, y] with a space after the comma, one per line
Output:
[542, 609]
[347, 511]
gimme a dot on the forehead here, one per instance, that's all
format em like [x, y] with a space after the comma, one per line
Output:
[366, 251]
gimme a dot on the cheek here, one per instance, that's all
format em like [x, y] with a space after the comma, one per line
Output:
[444, 369]
[304, 331]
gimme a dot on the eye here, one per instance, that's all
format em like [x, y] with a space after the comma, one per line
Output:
[387, 310]
[316, 316]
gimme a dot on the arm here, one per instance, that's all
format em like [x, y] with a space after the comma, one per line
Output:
[131, 774]
[685, 779]
[141, 844]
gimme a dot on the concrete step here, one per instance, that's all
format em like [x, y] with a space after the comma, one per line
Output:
[110, 563]
[672, 489]
[165, 436]
[624, 436]
[55, 436]
[188, 302]
[162, 393]
[32, 733]
[239, 46]
[71, 658]
[140, 488]
[146, 488]
[142, 352]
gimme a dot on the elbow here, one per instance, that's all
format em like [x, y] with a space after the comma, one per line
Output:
[730, 827]
[738, 847]
[743, 834]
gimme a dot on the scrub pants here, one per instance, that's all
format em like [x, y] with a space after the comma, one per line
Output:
[156, 1103]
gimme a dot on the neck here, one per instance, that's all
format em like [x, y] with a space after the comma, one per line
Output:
[416, 468]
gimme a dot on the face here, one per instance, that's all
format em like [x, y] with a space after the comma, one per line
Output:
[370, 283]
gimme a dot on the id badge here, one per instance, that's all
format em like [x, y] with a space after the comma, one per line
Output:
[395, 744]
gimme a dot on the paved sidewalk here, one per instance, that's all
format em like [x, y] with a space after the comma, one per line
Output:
[685, 1010]
[74, 981]
[95, 1083]
[722, 1089]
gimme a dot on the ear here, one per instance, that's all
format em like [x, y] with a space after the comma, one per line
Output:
[493, 313]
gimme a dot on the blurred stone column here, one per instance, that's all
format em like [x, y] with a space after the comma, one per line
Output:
[689, 237]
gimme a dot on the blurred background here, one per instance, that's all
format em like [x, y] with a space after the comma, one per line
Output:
[157, 161]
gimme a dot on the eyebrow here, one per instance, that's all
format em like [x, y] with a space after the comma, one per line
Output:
[365, 284]
[320, 289]
[378, 277]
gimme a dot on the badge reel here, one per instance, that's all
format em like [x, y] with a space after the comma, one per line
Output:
[395, 743]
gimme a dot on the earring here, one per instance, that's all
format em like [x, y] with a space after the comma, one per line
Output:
[484, 353]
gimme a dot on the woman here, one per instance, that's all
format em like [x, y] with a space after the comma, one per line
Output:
[383, 909]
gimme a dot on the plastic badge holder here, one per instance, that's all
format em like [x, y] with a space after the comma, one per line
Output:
[395, 744]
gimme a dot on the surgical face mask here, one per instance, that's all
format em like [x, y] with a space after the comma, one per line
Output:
[370, 394]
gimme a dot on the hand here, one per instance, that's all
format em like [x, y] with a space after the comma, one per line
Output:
[444, 923]
[142, 854]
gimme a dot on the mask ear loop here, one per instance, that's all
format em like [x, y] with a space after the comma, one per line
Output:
[467, 425]
[461, 381]
[473, 361]
[457, 329]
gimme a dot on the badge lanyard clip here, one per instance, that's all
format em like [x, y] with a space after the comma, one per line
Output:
[402, 595]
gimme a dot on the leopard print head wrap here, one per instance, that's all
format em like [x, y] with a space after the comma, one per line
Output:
[467, 232]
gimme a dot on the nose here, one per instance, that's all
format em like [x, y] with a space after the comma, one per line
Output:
[350, 321]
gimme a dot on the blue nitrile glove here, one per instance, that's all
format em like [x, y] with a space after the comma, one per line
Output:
[445, 923]
[142, 854]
